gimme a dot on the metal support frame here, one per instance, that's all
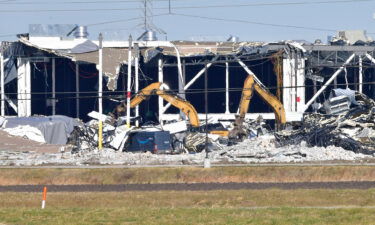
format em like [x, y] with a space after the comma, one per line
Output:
[179, 67]
[370, 58]
[227, 88]
[181, 81]
[136, 71]
[360, 75]
[128, 89]
[161, 80]
[2, 79]
[24, 87]
[191, 82]
[181, 85]
[100, 94]
[53, 86]
[329, 82]
[77, 90]
[250, 72]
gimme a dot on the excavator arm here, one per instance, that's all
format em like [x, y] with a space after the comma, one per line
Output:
[250, 86]
[144, 94]
[181, 104]
[155, 88]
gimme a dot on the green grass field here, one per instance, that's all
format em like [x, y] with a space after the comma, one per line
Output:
[271, 206]
[185, 216]
[192, 207]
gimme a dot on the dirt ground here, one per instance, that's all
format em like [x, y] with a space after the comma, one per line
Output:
[14, 143]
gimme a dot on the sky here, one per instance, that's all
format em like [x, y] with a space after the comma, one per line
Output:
[250, 20]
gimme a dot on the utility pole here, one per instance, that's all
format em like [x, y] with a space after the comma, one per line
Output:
[100, 94]
[2, 78]
[207, 163]
[136, 70]
[128, 94]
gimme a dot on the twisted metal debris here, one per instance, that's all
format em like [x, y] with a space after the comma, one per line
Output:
[353, 130]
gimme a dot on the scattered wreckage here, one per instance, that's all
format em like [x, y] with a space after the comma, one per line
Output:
[170, 138]
[347, 120]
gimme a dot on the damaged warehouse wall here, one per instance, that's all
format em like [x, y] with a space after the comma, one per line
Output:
[315, 65]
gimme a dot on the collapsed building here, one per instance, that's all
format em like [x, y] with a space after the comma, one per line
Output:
[48, 72]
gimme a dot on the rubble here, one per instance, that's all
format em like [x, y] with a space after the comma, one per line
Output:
[256, 150]
[352, 129]
[346, 121]
[43, 129]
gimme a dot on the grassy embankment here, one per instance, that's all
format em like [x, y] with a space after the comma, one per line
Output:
[186, 175]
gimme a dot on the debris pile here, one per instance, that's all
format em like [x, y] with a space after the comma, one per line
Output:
[255, 150]
[43, 129]
[352, 129]
[346, 121]
[263, 150]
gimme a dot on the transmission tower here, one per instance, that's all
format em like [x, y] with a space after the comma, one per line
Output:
[147, 23]
[147, 14]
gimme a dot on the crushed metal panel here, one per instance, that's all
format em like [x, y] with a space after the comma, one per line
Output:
[112, 60]
[191, 48]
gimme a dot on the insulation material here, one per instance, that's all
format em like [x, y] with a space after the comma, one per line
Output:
[52, 129]
[29, 132]
[192, 48]
[175, 127]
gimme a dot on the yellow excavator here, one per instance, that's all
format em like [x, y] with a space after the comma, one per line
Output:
[158, 89]
[238, 131]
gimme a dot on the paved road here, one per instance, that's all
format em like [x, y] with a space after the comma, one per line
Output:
[189, 187]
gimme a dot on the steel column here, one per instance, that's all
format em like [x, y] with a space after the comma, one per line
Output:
[360, 75]
[227, 88]
[2, 85]
[53, 86]
[128, 94]
[161, 80]
[136, 70]
[77, 90]
[191, 82]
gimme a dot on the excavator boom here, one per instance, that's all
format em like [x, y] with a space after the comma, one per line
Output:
[183, 105]
[249, 86]
[238, 132]
[144, 94]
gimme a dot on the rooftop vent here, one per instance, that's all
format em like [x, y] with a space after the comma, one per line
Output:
[148, 35]
[233, 39]
[81, 32]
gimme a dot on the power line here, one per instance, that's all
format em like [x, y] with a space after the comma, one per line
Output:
[210, 6]
[76, 2]
[7, 35]
[187, 91]
[185, 7]
[112, 21]
[121, 94]
[254, 22]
